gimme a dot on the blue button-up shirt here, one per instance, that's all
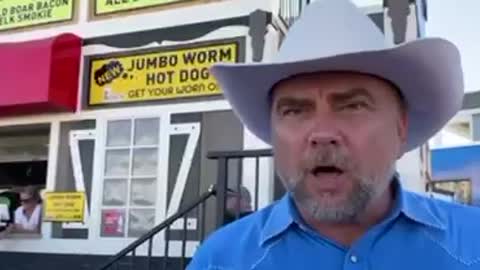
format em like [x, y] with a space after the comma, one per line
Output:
[419, 233]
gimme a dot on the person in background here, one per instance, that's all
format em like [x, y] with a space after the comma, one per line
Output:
[237, 205]
[10, 200]
[28, 215]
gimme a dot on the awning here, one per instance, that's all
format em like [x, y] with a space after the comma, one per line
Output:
[40, 76]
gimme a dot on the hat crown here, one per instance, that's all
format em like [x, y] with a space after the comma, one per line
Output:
[330, 27]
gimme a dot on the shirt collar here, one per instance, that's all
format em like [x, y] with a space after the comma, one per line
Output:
[417, 208]
[284, 212]
[280, 218]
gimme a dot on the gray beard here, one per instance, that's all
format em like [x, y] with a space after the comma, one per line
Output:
[347, 211]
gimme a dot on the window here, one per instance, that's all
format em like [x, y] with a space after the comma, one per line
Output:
[455, 190]
[130, 177]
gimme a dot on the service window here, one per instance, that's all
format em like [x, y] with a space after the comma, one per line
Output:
[23, 172]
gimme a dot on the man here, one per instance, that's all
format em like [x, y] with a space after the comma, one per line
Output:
[238, 204]
[339, 107]
[28, 216]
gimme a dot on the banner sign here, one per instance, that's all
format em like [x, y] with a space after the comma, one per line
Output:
[103, 7]
[64, 206]
[26, 13]
[158, 75]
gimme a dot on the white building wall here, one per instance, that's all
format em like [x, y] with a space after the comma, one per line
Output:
[409, 167]
[147, 20]
[129, 24]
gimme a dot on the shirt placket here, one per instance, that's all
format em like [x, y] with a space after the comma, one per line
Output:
[358, 256]
[355, 260]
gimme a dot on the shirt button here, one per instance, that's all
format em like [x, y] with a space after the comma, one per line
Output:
[354, 259]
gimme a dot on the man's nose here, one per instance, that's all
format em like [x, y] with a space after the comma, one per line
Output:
[323, 137]
[324, 132]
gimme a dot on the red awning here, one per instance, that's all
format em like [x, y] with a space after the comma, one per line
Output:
[40, 76]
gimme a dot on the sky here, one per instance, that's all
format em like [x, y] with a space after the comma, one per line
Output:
[458, 21]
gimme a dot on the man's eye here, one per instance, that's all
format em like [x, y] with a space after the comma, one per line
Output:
[291, 111]
[354, 106]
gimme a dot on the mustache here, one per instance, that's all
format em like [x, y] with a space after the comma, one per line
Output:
[328, 155]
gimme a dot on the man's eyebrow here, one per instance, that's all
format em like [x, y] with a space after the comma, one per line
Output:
[351, 94]
[292, 102]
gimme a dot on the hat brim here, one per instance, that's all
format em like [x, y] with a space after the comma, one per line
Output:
[428, 72]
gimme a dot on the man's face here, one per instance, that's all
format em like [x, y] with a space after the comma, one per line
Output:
[336, 137]
[238, 203]
[26, 200]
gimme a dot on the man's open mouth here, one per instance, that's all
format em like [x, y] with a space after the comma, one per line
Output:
[317, 170]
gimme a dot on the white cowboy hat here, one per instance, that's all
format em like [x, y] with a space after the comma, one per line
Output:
[334, 35]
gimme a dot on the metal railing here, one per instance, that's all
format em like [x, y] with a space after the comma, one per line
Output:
[127, 258]
[228, 179]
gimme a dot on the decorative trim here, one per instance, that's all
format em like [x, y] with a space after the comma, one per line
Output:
[176, 33]
[398, 11]
[258, 22]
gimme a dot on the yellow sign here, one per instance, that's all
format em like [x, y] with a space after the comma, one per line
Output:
[64, 206]
[158, 75]
[25, 13]
[103, 7]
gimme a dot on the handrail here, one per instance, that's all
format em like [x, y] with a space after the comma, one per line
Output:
[240, 154]
[169, 221]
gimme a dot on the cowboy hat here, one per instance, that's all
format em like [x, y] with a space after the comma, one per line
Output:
[334, 35]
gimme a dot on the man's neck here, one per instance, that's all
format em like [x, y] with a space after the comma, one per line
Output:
[347, 233]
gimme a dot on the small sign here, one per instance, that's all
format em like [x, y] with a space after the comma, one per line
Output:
[26, 13]
[64, 206]
[113, 222]
[157, 74]
[103, 7]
